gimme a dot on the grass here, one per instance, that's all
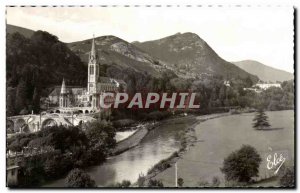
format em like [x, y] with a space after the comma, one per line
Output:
[221, 136]
[163, 164]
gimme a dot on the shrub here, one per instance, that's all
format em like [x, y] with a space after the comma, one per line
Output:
[241, 165]
[155, 183]
[287, 177]
[79, 179]
[203, 183]
[215, 182]
[123, 123]
[141, 180]
[123, 184]
[180, 182]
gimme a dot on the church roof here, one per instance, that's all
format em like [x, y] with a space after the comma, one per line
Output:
[121, 81]
[69, 89]
[78, 91]
[103, 79]
[55, 91]
[63, 87]
[93, 51]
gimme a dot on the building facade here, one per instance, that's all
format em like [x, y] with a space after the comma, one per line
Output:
[89, 97]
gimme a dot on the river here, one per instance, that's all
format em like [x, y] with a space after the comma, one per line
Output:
[158, 144]
[221, 136]
[217, 138]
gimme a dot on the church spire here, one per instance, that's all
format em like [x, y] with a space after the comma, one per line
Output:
[63, 87]
[93, 50]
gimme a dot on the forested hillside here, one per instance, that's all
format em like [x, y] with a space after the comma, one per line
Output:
[33, 64]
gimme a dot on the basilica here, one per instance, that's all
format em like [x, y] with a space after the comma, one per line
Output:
[86, 100]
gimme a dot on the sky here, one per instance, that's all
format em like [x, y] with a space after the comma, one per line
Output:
[264, 34]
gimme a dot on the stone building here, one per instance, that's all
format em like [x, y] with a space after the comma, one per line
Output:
[69, 98]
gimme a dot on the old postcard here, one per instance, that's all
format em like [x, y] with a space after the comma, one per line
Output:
[150, 96]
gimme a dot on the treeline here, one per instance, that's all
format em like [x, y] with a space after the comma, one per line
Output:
[54, 151]
[213, 95]
[272, 99]
[33, 64]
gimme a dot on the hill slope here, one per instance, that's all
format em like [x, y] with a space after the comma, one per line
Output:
[188, 53]
[33, 65]
[117, 53]
[264, 72]
[10, 29]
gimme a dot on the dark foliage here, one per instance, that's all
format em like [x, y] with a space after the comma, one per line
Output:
[155, 184]
[79, 179]
[53, 151]
[287, 177]
[35, 63]
[242, 165]
[123, 184]
[180, 182]
[261, 120]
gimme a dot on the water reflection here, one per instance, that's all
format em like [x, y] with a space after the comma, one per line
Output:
[159, 144]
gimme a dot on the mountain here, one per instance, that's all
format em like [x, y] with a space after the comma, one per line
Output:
[188, 53]
[118, 54]
[10, 29]
[264, 72]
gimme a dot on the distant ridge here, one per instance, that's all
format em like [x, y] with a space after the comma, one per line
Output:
[24, 31]
[264, 72]
[187, 51]
[186, 54]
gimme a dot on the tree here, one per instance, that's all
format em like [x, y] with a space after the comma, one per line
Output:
[241, 165]
[100, 133]
[36, 100]
[287, 178]
[203, 183]
[79, 179]
[141, 180]
[155, 183]
[248, 82]
[124, 184]
[180, 182]
[21, 96]
[261, 120]
[10, 101]
[100, 137]
[15, 146]
[215, 182]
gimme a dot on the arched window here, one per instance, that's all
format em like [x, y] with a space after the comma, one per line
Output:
[91, 70]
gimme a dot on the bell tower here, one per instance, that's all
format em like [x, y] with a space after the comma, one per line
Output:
[93, 69]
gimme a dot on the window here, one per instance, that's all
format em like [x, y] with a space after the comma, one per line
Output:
[91, 87]
[91, 70]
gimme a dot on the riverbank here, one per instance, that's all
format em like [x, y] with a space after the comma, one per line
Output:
[188, 140]
[200, 164]
[158, 144]
[133, 140]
